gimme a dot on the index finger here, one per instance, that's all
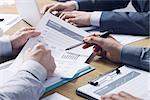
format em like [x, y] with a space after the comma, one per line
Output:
[27, 29]
[87, 45]
[93, 34]
[94, 40]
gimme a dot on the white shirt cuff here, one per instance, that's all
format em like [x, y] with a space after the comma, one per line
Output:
[35, 68]
[76, 4]
[5, 46]
[95, 18]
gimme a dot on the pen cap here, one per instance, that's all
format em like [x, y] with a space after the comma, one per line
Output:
[1, 32]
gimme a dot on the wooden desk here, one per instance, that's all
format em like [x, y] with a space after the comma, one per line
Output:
[101, 66]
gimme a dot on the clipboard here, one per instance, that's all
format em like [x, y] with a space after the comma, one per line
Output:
[123, 81]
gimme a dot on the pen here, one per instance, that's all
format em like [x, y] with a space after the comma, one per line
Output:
[94, 81]
[75, 46]
[103, 35]
[1, 19]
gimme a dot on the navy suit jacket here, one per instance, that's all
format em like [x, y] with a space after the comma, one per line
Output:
[135, 23]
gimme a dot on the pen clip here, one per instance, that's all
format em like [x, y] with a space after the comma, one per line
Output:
[94, 81]
[1, 19]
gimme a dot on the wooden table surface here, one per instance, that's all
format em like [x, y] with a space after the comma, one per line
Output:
[101, 65]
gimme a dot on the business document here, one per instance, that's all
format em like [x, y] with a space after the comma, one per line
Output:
[55, 96]
[9, 21]
[57, 35]
[130, 80]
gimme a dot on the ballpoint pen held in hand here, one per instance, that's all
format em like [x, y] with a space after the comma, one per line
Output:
[103, 35]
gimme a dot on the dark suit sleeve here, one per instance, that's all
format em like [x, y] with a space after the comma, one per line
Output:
[135, 23]
[136, 56]
[101, 5]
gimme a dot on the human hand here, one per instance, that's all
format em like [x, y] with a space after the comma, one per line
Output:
[120, 96]
[105, 47]
[21, 37]
[78, 18]
[42, 55]
[59, 6]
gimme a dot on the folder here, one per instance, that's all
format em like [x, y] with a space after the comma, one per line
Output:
[64, 81]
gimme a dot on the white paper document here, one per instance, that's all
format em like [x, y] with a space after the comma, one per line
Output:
[7, 2]
[127, 39]
[124, 39]
[55, 96]
[9, 21]
[129, 80]
[57, 35]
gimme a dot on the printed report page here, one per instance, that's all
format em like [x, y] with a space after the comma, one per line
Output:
[58, 35]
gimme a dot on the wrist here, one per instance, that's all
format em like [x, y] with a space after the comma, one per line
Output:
[118, 47]
[95, 18]
[35, 68]
[89, 18]
[13, 43]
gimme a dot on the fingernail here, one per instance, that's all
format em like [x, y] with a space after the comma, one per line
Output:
[54, 12]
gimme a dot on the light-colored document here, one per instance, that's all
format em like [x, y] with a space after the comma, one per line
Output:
[124, 39]
[129, 80]
[127, 39]
[9, 21]
[55, 96]
[57, 35]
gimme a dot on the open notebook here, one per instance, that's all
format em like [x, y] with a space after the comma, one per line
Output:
[56, 35]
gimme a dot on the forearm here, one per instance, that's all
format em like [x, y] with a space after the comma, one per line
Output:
[22, 88]
[136, 56]
[27, 84]
[134, 23]
[101, 5]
